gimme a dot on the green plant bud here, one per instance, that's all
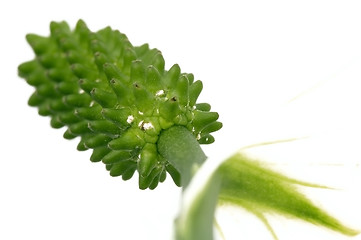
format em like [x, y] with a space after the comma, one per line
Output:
[89, 113]
[182, 90]
[159, 62]
[58, 105]
[153, 79]
[47, 90]
[81, 71]
[203, 119]
[81, 145]
[206, 139]
[104, 98]
[144, 182]
[141, 50]
[194, 91]
[190, 77]
[68, 118]
[27, 68]
[39, 44]
[121, 117]
[118, 98]
[144, 100]
[104, 126]
[66, 88]
[101, 59]
[122, 91]
[37, 79]
[77, 100]
[99, 153]
[127, 141]
[129, 57]
[172, 77]
[56, 123]
[205, 107]
[163, 175]
[35, 100]
[49, 60]
[98, 140]
[174, 174]
[212, 127]
[44, 109]
[169, 109]
[57, 75]
[121, 167]
[112, 71]
[137, 72]
[87, 85]
[69, 135]
[116, 156]
[148, 159]
[128, 174]
[79, 128]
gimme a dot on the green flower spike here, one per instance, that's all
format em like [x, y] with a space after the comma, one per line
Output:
[116, 97]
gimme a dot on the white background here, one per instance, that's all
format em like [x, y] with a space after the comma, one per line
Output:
[253, 57]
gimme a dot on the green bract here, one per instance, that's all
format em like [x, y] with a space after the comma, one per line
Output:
[116, 97]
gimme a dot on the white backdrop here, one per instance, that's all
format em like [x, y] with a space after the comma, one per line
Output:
[272, 69]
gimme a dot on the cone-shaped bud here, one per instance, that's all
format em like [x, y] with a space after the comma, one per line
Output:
[145, 181]
[144, 100]
[77, 100]
[58, 106]
[99, 153]
[147, 160]
[141, 50]
[56, 123]
[37, 78]
[127, 141]
[112, 71]
[87, 85]
[137, 72]
[153, 79]
[89, 113]
[122, 91]
[206, 139]
[47, 90]
[116, 156]
[66, 88]
[81, 145]
[119, 168]
[169, 109]
[104, 126]
[27, 68]
[212, 127]
[174, 174]
[38, 43]
[194, 91]
[69, 135]
[79, 128]
[97, 141]
[203, 118]
[68, 118]
[205, 107]
[121, 117]
[35, 99]
[128, 174]
[182, 90]
[172, 77]
[104, 98]
[159, 62]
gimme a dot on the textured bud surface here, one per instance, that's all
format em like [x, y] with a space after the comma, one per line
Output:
[116, 97]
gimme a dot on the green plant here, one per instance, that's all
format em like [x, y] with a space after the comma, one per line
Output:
[137, 116]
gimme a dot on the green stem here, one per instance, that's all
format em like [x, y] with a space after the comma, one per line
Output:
[182, 150]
